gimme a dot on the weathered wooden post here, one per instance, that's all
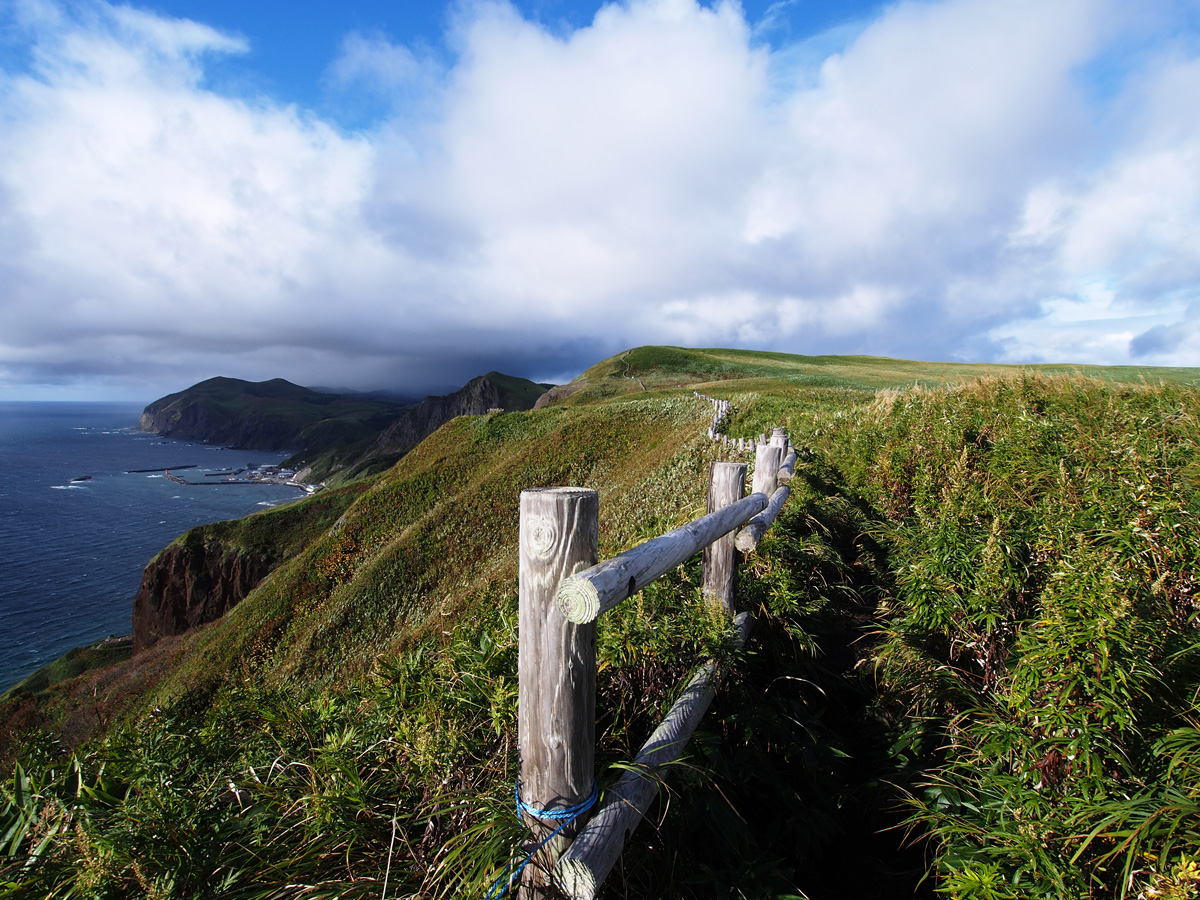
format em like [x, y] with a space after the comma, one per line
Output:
[779, 439]
[766, 468]
[726, 485]
[556, 717]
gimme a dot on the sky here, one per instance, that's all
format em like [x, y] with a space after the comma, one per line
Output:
[401, 196]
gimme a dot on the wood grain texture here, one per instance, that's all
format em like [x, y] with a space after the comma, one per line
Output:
[787, 468]
[747, 539]
[585, 596]
[726, 485]
[766, 469]
[581, 870]
[556, 718]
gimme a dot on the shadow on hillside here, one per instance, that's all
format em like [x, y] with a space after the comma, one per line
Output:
[797, 786]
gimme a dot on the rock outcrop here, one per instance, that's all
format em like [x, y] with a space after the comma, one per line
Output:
[478, 396]
[191, 583]
[278, 415]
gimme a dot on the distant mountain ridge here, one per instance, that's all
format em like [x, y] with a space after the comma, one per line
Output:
[479, 395]
[348, 433]
[267, 415]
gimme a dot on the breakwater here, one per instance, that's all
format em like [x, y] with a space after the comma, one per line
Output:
[255, 474]
[74, 551]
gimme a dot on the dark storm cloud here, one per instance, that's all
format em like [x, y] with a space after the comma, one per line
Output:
[933, 184]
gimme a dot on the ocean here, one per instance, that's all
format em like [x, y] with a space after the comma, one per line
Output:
[72, 551]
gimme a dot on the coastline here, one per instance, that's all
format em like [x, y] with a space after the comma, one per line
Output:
[97, 655]
[76, 556]
[254, 474]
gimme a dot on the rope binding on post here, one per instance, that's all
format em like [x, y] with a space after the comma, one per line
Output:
[566, 816]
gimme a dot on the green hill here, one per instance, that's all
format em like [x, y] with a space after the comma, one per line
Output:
[267, 415]
[977, 627]
[664, 368]
[341, 435]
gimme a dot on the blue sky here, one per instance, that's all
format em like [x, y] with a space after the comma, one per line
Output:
[292, 42]
[291, 45]
[404, 196]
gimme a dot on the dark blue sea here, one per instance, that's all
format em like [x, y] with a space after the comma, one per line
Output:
[72, 552]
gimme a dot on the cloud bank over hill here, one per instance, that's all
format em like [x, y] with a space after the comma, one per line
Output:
[1003, 180]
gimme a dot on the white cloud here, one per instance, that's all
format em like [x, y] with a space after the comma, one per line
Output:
[939, 183]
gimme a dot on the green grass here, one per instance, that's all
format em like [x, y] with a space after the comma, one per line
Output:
[1041, 632]
[282, 414]
[977, 613]
[72, 663]
[786, 376]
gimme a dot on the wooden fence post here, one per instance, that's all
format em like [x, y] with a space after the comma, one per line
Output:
[556, 717]
[726, 485]
[766, 468]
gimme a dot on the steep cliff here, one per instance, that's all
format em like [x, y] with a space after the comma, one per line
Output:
[332, 433]
[476, 397]
[192, 583]
[268, 415]
[211, 568]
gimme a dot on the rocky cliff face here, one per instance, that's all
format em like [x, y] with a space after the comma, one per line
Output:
[189, 584]
[268, 415]
[195, 422]
[198, 579]
[476, 397]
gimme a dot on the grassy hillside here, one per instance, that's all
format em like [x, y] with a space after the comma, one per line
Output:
[517, 393]
[976, 615]
[268, 415]
[434, 539]
[1040, 632]
[651, 368]
[334, 436]
[74, 662]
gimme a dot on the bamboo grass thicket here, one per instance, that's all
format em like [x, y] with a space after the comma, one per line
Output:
[557, 663]
[999, 578]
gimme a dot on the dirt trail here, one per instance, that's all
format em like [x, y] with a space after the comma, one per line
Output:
[625, 374]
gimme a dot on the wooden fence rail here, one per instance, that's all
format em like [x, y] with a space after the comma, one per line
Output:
[581, 870]
[563, 590]
[586, 596]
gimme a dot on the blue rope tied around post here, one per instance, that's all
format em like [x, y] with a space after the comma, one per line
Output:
[567, 816]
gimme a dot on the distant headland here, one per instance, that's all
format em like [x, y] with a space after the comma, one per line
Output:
[331, 436]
